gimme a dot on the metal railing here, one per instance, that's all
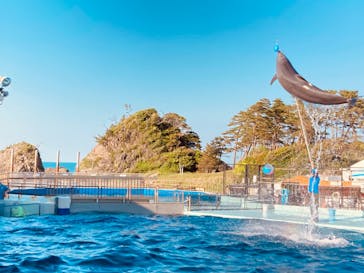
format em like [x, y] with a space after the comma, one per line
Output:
[128, 187]
[45, 180]
[348, 197]
[260, 191]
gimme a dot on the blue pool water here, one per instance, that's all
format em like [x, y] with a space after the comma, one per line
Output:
[130, 243]
[164, 194]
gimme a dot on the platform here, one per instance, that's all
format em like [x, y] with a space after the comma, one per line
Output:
[352, 220]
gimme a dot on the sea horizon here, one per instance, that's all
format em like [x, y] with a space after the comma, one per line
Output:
[70, 166]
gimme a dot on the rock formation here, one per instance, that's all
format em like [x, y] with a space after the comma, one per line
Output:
[145, 142]
[20, 157]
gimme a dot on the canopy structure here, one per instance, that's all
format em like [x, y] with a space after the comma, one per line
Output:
[355, 173]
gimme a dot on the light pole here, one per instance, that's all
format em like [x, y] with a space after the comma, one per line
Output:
[4, 82]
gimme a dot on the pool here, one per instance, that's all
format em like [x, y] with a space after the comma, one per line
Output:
[132, 243]
[163, 194]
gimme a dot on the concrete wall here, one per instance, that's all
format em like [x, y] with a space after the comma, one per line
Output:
[121, 206]
[15, 208]
[10, 208]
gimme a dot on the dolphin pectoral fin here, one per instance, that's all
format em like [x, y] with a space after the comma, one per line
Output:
[273, 79]
[298, 76]
[307, 85]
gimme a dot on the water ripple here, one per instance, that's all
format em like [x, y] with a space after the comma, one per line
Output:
[131, 243]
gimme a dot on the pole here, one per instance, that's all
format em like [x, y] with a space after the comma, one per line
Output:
[304, 134]
[57, 162]
[246, 179]
[35, 160]
[78, 162]
[12, 160]
[223, 179]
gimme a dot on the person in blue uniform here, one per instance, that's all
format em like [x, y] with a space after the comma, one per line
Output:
[313, 189]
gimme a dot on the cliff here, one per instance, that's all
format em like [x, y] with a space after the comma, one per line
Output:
[24, 157]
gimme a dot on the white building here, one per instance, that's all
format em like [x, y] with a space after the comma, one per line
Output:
[355, 174]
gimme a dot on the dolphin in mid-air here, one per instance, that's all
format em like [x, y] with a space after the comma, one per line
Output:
[297, 86]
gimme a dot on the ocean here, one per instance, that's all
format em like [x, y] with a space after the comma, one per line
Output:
[70, 166]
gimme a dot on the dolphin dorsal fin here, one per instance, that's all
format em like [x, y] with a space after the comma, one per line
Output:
[273, 79]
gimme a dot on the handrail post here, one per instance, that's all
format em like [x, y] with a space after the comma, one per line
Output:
[156, 195]
[128, 193]
[12, 160]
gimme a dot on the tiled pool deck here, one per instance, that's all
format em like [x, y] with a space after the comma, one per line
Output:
[344, 219]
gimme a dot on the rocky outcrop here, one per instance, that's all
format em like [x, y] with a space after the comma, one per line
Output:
[97, 160]
[23, 155]
[54, 170]
[144, 142]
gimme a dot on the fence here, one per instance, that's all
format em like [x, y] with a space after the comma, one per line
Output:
[349, 197]
[120, 186]
[251, 184]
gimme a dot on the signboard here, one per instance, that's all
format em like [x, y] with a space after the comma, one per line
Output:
[268, 169]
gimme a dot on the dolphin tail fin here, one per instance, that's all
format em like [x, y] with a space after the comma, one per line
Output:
[273, 79]
[352, 102]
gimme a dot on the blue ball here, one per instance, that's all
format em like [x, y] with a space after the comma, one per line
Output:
[268, 169]
[276, 48]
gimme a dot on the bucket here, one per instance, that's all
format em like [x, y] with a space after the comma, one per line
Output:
[332, 214]
[264, 210]
[63, 205]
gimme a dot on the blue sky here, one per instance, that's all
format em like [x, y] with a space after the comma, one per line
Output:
[75, 64]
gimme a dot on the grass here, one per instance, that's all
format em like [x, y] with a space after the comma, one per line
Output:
[208, 182]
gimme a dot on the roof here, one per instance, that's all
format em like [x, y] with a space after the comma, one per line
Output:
[303, 180]
[359, 164]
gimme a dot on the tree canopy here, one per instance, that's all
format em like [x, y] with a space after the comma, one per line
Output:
[272, 125]
[146, 141]
[210, 160]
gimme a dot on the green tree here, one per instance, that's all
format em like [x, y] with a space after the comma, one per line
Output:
[261, 125]
[210, 160]
[284, 124]
[145, 141]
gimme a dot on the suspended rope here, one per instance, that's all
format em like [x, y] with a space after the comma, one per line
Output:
[304, 134]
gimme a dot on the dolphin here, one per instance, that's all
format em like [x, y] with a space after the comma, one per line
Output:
[297, 86]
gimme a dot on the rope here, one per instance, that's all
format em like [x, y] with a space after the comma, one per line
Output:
[304, 134]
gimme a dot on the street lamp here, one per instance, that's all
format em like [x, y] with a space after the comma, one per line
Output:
[4, 82]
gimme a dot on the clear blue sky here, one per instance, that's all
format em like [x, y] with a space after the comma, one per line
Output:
[75, 64]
